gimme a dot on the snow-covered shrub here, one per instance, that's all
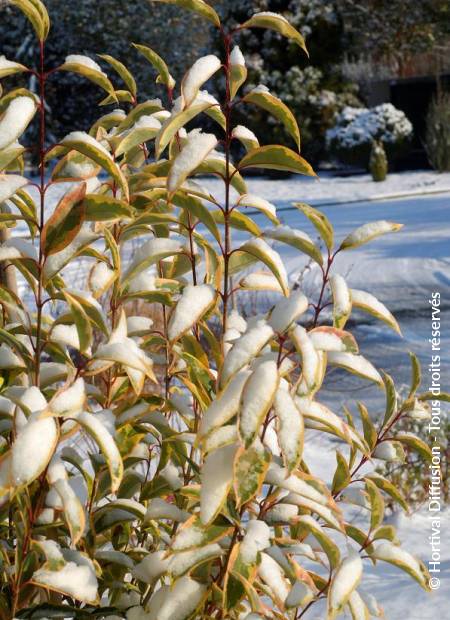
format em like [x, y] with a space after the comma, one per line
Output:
[437, 139]
[155, 469]
[355, 130]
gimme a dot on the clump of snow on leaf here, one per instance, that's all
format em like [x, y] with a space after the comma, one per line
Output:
[182, 600]
[237, 57]
[77, 581]
[85, 61]
[195, 150]
[197, 75]
[216, 476]
[16, 119]
[194, 302]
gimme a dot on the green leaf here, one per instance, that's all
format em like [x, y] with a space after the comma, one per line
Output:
[158, 63]
[320, 221]
[279, 24]
[415, 443]
[237, 220]
[198, 6]
[91, 148]
[367, 232]
[376, 504]
[107, 445]
[311, 526]
[416, 377]
[278, 109]
[391, 399]
[81, 320]
[297, 239]
[122, 71]
[100, 208]
[276, 157]
[387, 486]
[370, 433]
[176, 121]
[217, 165]
[37, 15]
[263, 252]
[197, 209]
[442, 396]
[250, 467]
[65, 222]
[97, 77]
[238, 75]
[342, 476]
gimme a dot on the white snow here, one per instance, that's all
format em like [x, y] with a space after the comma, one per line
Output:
[10, 184]
[65, 335]
[70, 401]
[345, 581]
[257, 398]
[245, 349]
[225, 406]
[342, 303]
[216, 477]
[246, 136]
[237, 57]
[290, 427]
[85, 61]
[16, 119]
[160, 509]
[287, 310]
[151, 567]
[260, 248]
[6, 64]
[182, 600]
[197, 75]
[310, 358]
[195, 150]
[271, 14]
[361, 299]
[183, 561]
[77, 581]
[192, 305]
[29, 458]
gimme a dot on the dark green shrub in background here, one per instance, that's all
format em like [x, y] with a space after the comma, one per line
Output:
[437, 140]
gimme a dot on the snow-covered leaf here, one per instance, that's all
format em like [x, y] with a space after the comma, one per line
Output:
[388, 552]
[263, 252]
[367, 232]
[225, 406]
[77, 580]
[193, 304]
[250, 468]
[286, 311]
[217, 478]
[149, 253]
[193, 153]
[92, 425]
[344, 582]
[290, 428]
[198, 74]
[257, 399]
[16, 119]
[278, 23]
[262, 98]
[88, 68]
[181, 600]
[370, 304]
[297, 239]
[342, 302]
[325, 338]
[356, 364]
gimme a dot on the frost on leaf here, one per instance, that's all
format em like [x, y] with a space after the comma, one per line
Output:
[342, 303]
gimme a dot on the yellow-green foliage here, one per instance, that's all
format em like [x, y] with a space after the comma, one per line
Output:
[140, 470]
